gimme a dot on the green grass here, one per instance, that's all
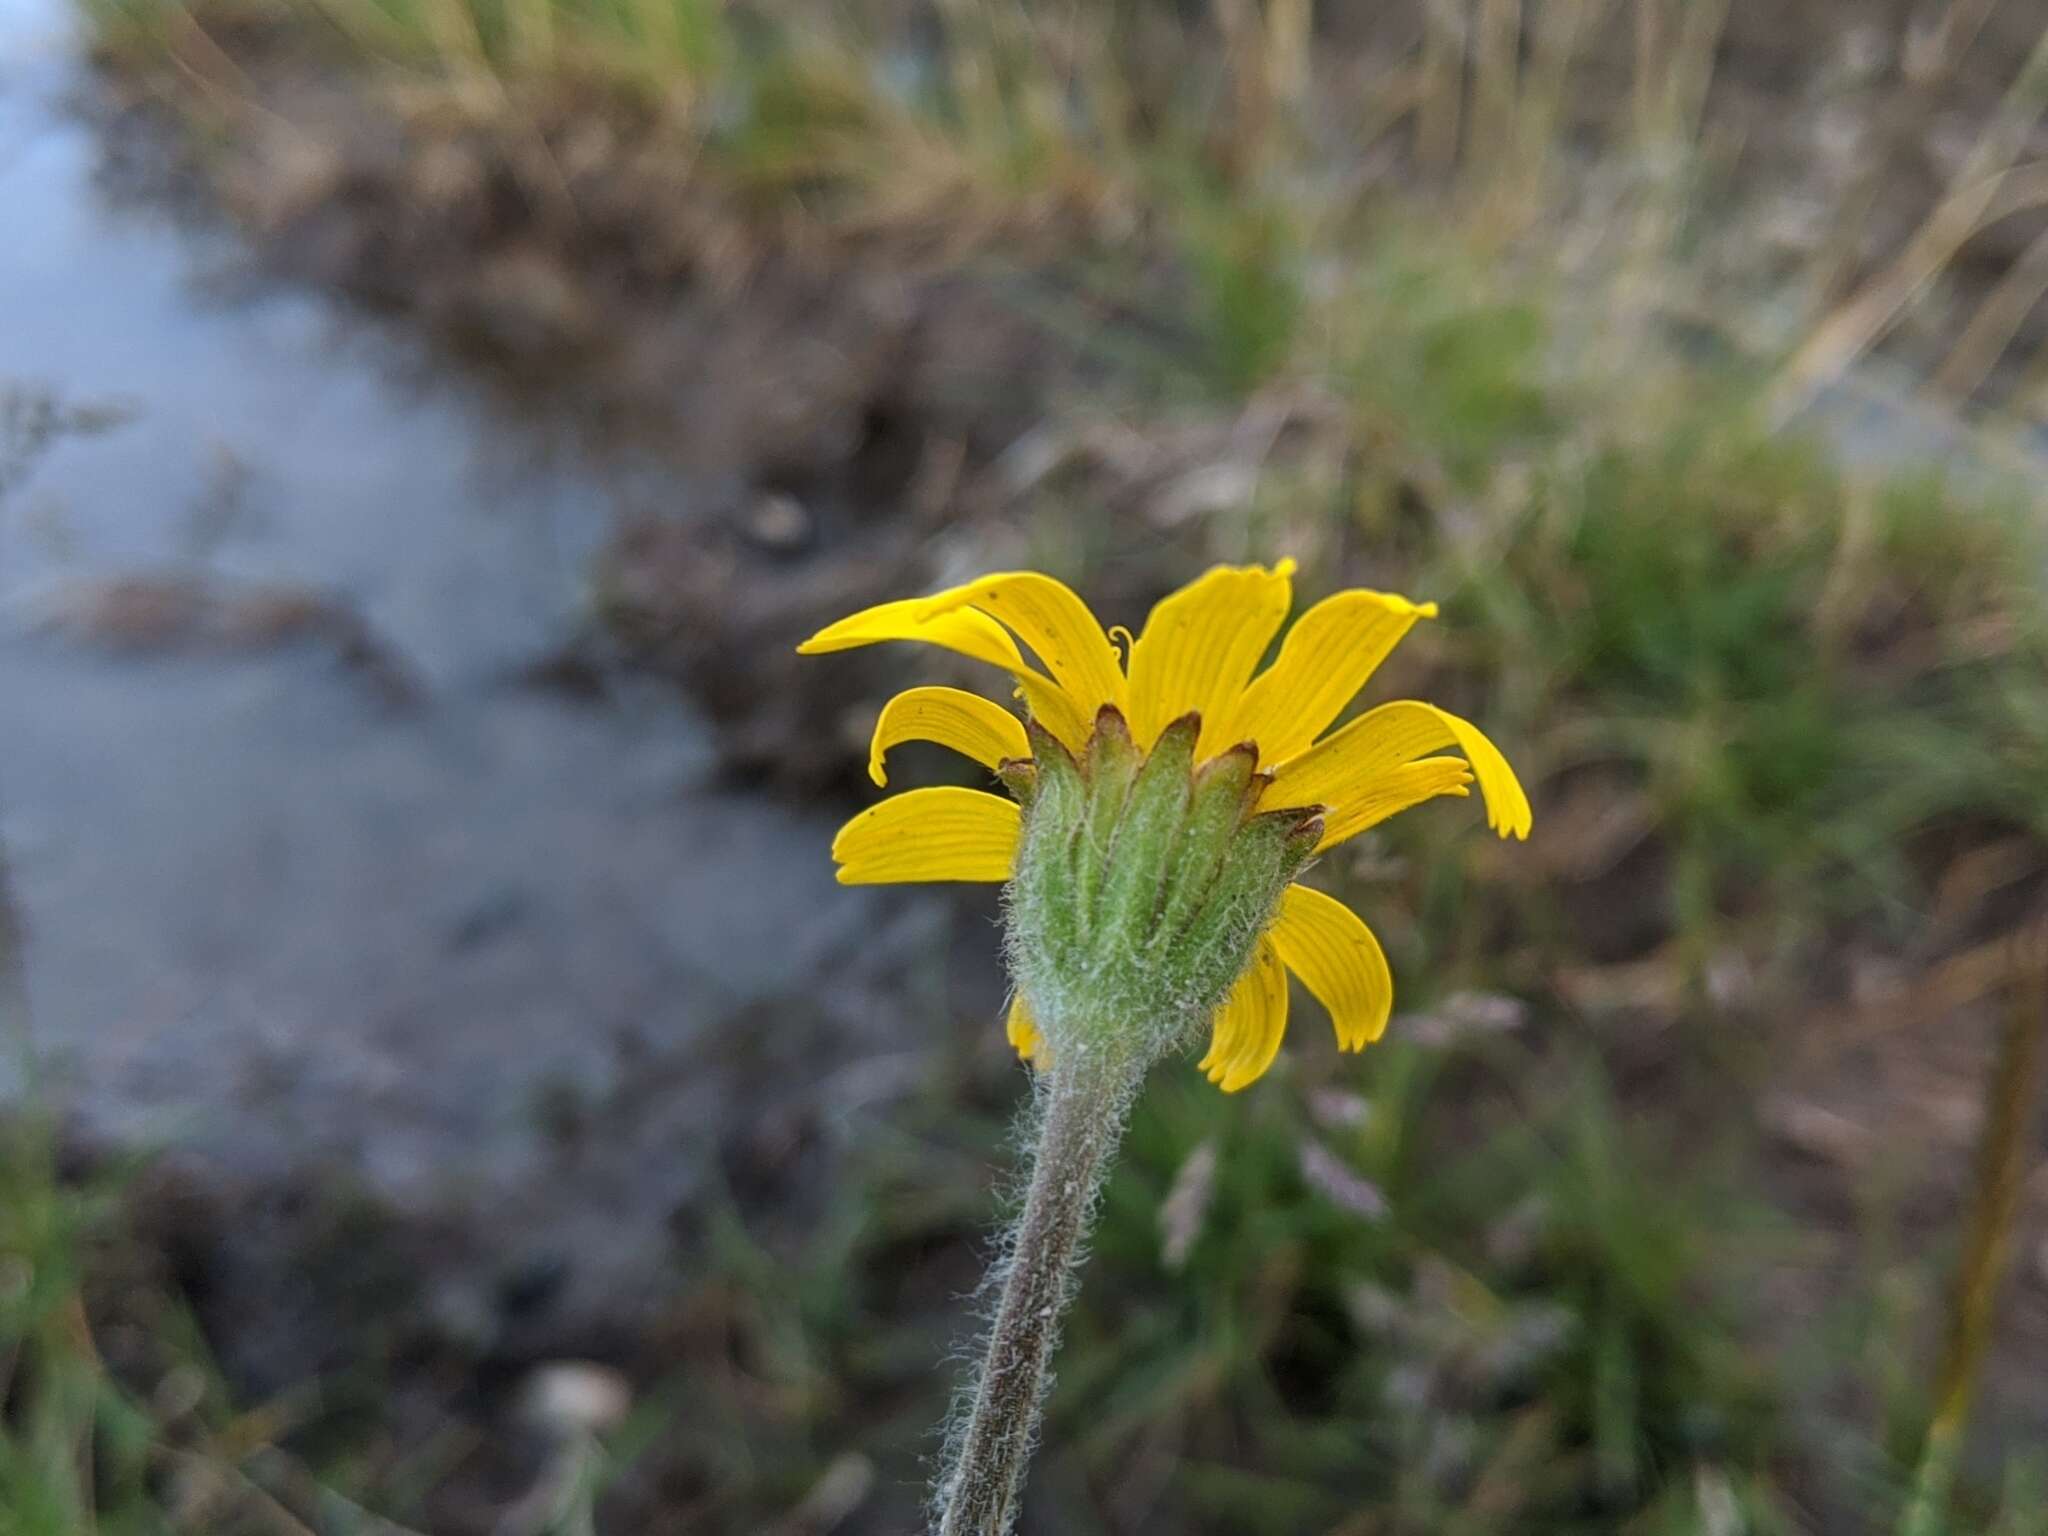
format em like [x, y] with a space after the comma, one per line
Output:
[1712, 630]
[74, 1449]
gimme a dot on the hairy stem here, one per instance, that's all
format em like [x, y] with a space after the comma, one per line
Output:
[1082, 1104]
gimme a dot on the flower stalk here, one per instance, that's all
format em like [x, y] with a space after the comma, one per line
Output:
[1082, 1104]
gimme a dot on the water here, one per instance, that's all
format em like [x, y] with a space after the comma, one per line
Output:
[275, 920]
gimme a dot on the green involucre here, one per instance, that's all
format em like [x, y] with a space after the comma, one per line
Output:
[1142, 884]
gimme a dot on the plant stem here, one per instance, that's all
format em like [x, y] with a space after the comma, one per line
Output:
[1082, 1104]
[2010, 1092]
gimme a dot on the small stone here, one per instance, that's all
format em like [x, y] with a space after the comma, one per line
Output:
[180, 1393]
[1731, 980]
[575, 1397]
[1817, 1132]
[778, 521]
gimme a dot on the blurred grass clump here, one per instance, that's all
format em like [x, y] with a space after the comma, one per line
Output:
[1437, 325]
[73, 1441]
[113, 1419]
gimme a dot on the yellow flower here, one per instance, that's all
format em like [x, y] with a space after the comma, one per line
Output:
[1199, 655]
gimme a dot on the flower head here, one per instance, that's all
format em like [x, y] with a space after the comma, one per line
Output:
[1162, 805]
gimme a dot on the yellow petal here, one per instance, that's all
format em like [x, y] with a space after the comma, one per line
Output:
[1342, 769]
[1024, 1035]
[966, 722]
[1199, 648]
[1329, 947]
[970, 634]
[1396, 790]
[965, 631]
[1249, 1026]
[929, 834]
[1326, 658]
[1047, 616]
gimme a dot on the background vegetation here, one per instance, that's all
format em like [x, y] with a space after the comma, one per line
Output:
[1641, 1220]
